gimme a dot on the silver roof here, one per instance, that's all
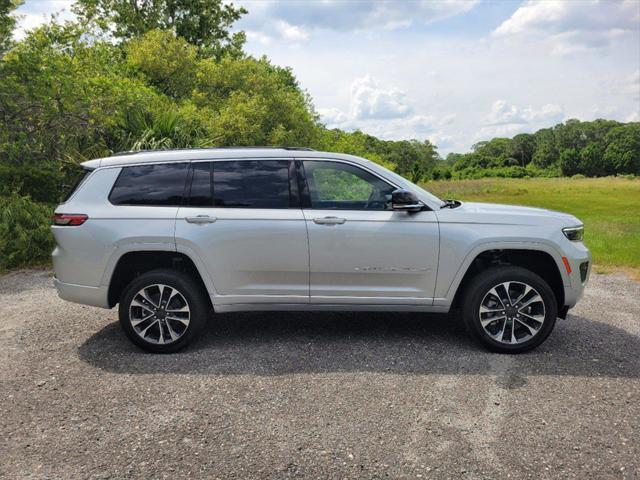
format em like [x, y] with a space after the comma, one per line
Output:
[130, 158]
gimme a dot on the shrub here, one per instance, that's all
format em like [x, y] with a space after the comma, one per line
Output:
[25, 238]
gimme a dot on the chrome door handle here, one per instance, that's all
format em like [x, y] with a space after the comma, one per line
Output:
[329, 221]
[200, 219]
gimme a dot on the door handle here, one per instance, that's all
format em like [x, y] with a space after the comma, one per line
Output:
[200, 219]
[329, 221]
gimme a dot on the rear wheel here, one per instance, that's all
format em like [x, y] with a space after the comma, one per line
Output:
[162, 311]
[509, 309]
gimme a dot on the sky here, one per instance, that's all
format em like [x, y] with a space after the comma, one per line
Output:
[453, 72]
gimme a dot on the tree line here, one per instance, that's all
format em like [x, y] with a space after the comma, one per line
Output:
[592, 149]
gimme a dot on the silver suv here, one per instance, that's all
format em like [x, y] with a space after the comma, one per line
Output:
[171, 235]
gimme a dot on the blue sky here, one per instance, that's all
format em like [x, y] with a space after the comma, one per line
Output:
[454, 72]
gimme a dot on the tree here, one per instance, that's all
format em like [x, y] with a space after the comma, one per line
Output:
[592, 161]
[7, 23]
[169, 62]
[623, 149]
[546, 153]
[569, 161]
[203, 23]
[522, 148]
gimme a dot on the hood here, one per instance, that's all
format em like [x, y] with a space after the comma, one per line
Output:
[476, 212]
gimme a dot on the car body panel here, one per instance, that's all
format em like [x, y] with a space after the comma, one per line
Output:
[381, 256]
[250, 253]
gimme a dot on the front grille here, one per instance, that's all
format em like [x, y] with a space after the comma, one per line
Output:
[584, 268]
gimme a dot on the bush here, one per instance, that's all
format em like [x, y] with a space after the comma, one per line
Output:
[25, 238]
[42, 182]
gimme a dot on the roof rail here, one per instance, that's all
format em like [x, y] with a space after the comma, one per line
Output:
[132, 152]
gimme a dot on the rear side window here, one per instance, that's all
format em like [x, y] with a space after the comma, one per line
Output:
[73, 181]
[155, 185]
[251, 184]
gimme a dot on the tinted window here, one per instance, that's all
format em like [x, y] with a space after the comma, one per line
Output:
[201, 194]
[150, 185]
[340, 186]
[73, 180]
[251, 184]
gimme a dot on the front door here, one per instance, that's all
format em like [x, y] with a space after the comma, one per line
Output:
[245, 223]
[361, 251]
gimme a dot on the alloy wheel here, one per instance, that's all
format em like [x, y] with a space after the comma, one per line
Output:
[512, 312]
[159, 314]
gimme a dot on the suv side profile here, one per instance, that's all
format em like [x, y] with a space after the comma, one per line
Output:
[171, 235]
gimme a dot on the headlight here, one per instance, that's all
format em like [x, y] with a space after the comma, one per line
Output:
[575, 234]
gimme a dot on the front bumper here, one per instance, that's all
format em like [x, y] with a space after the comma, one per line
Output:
[94, 296]
[576, 281]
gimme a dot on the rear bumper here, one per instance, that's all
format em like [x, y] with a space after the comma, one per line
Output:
[94, 296]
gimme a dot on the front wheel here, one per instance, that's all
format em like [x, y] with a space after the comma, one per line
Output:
[509, 309]
[162, 311]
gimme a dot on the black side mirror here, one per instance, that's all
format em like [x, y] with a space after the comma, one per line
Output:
[406, 201]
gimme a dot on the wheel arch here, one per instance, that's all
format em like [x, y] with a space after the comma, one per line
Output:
[539, 259]
[134, 263]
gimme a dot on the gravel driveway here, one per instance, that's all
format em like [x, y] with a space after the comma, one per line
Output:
[316, 395]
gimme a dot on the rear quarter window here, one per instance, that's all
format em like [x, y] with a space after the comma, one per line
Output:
[150, 185]
[73, 181]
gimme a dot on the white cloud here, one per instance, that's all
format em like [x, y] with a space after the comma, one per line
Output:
[506, 120]
[291, 32]
[32, 14]
[572, 26]
[334, 118]
[340, 15]
[370, 100]
[633, 117]
[504, 113]
[631, 85]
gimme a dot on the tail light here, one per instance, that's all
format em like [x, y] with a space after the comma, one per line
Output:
[69, 219]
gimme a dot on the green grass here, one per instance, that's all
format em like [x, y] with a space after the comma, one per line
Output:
[609, 208]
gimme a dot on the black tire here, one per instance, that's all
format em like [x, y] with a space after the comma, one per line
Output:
[192, 294]
[478, 290]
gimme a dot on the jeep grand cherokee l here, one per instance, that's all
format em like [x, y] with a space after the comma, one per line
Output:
[171, 235]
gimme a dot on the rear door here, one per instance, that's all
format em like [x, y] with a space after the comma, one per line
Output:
[362, 251]
[243, 219]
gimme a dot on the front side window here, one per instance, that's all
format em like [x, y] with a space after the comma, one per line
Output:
[340, 186]
[251, 184]
[153, 185]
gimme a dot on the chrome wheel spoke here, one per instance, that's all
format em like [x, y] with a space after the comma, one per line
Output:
[137, 321]
[535, 318]
[532, 331]
[534, 299]
[146, 329]
[178, 310]
[494, 292]
[486, 321]
[184, 321]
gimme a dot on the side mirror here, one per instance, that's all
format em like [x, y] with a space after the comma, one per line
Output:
[406, 201]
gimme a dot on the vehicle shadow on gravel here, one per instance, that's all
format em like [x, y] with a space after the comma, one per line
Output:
[286, 343]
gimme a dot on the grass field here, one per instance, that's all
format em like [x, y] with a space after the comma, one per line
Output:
[609, 208]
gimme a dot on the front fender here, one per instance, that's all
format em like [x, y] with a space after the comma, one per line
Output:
[449, 279]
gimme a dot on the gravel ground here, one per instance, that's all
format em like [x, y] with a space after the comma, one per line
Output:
[316, 395]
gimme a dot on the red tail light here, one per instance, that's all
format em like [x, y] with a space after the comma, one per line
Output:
[69, 219]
